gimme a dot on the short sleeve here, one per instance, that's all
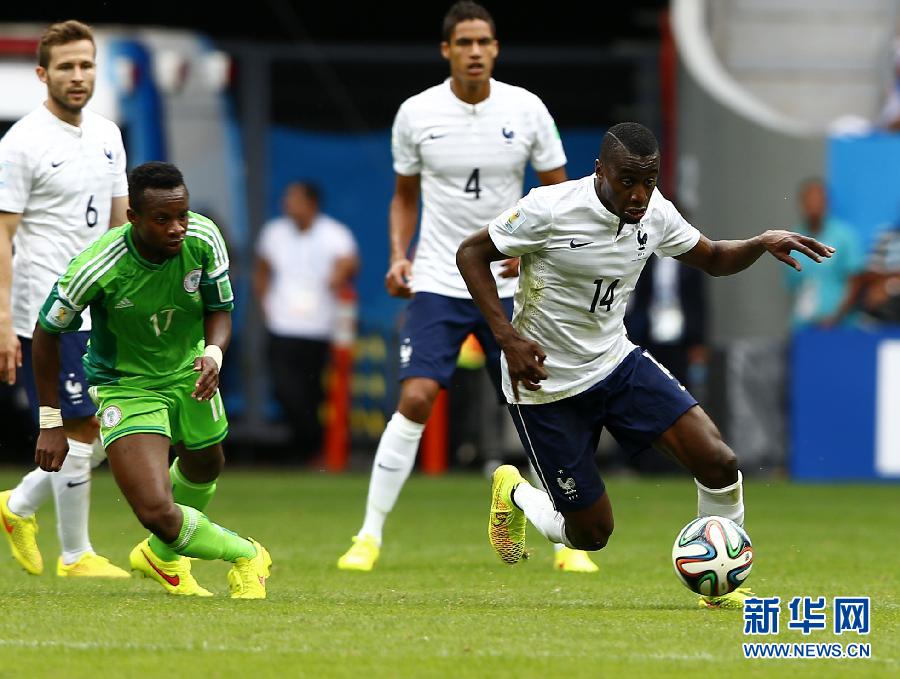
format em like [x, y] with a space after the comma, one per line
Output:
[679, 235]
[215, 285]
[58, 314]
[547, 152]
[405, 151]
[343, 241]
[15, 176]
[265, 244]
[78, 287]
[216, 261]
[217, 294]
[522, 229]
[120, 185]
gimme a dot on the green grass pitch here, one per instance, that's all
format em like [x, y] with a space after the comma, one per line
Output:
[440, 603]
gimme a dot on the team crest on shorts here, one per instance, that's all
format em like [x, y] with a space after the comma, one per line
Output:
[111, 416]
[192, 281]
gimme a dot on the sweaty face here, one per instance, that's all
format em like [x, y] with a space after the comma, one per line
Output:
[625, 183]
[471, 51]
[160, 224]
[70, 75]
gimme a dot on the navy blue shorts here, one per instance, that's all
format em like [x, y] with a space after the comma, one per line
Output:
[73, 387]
[637, 402]
[433, 331]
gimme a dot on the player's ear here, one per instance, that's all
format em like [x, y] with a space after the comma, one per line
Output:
[41, 73]
[598, 168]
[130, 215]
[445, 50]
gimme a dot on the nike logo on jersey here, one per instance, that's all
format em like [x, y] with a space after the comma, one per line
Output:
[436, 136]
[173, 580]
[573, 244]
[509, 134]
[52, 164]
[107, 153]
[73, 484]
[123, 303]
[388, 469]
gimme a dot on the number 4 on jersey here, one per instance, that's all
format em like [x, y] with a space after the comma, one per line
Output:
[473, 184]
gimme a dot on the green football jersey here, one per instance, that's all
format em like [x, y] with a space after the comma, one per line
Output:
[147, 319]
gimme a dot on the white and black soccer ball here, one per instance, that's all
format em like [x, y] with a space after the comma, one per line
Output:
[712, 555]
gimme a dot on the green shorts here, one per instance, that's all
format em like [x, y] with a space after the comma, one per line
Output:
[168, 410]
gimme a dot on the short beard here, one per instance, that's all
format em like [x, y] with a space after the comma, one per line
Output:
[67, 107]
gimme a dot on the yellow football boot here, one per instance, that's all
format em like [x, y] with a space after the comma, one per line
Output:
[574, 561]
[733, 599]
[90, 565]
[174, 576]
[247, 577]
[506, 525]
[362, 555]
[21, 533]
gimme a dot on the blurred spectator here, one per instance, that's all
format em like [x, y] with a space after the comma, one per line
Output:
[876, 291]
[819, 290]
[303, 260]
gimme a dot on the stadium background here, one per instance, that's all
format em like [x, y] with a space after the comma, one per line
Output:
[310, 90]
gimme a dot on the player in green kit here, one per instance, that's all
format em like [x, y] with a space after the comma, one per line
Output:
[160, 301]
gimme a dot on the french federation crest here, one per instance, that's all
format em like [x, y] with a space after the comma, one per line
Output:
[568, 486]
[192, 281]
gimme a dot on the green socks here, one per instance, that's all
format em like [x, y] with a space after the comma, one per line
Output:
[202, 539]
[184, 492]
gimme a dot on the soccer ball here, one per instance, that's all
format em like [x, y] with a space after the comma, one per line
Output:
[712, 555]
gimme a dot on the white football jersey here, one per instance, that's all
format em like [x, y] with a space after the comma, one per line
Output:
[61, 179]
[471, 160]
[577, 271]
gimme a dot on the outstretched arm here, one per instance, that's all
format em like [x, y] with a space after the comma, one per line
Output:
[51, 447]
[727, 257]
[524, 358]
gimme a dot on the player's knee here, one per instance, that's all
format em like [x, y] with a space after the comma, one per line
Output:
[416, 405]
[589, 538]
[202, 468]
[163, 519]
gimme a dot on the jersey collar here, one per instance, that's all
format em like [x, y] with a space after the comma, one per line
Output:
[74, 130]
[471, 108]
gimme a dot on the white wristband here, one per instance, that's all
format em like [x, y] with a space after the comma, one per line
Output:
[215, 353]
[49, 418]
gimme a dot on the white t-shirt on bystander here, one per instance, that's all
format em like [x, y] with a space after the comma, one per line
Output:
[300, 301]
